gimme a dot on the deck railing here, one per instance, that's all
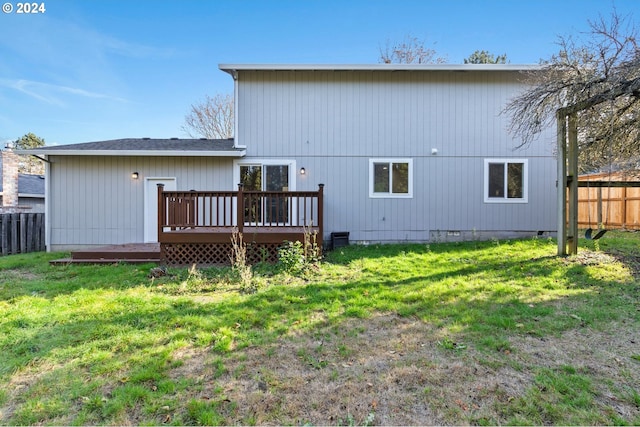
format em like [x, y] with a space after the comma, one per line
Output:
[181, 210]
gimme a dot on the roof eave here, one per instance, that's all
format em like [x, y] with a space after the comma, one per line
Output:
[136, 153]
[31, 195]
[234, 68]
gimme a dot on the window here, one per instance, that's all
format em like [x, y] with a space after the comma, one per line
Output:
[391, 178]
[505, 181]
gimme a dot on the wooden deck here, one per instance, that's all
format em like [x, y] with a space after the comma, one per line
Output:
[137, 253]
[196, 227]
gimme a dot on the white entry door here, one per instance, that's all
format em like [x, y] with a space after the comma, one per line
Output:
[151, 205]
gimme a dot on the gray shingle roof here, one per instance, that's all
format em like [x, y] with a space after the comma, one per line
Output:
[125, 145]
[27, 184]
[30, 184]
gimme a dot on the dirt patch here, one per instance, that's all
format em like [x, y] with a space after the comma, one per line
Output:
[16, 275]
[390, 370]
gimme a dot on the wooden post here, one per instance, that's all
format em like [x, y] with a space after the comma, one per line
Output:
[26, 240]
[15, 239]
[320, 214]
[624, 208]
[572, 154]
[240, 212]
[4, 233]
[161, 210]
[562, 183]
[599, 208]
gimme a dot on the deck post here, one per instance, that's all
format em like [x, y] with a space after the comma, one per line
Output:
[320, 214]
[240, 212]
[161, 210]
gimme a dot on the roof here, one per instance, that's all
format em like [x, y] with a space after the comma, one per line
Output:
[28, 185]
[145, 147]
[233, 68]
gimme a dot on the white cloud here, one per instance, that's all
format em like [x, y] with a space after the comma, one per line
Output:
[51, 94]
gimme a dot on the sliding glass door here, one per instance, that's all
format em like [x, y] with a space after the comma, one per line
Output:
[272, 208]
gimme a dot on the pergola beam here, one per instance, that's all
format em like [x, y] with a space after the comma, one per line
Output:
[567, 139]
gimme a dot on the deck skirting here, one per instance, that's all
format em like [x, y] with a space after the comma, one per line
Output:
[180, 254]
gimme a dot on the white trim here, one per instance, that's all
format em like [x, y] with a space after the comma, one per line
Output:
[266, 162]
[505, 199]
[390, 195]
[233, 68]
[262, 162]
[47, 205]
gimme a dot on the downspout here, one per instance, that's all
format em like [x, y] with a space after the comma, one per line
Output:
[47, 203]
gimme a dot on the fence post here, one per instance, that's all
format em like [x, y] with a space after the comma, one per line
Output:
[624, 207]
[24, 228]
[42, 243]
[15, 237]
[4, 233]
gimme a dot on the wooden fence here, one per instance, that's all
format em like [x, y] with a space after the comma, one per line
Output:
[610, 204]
[21, 233]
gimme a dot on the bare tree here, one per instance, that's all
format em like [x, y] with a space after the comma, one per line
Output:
[212, 119]
[599, 80]
[409, 51]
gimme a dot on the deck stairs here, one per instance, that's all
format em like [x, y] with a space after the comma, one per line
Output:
[132, 253]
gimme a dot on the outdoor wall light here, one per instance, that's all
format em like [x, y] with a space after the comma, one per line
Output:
[302, 171]
[135, 175]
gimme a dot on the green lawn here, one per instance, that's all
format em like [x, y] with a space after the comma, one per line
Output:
[496, 332]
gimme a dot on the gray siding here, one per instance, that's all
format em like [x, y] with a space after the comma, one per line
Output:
[333, 122]
[96, 202]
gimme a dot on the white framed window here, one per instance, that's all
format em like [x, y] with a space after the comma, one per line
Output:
[506, 181]
[391, 178]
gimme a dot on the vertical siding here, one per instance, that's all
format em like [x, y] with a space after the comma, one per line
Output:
[95, 202]
[333, 122]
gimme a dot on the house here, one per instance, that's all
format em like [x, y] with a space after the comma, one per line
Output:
[406, 153]
[30, 187]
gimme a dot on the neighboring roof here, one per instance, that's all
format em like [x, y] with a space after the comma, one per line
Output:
[29, 185]
[32, 185]
[145, 147]
[232, 68]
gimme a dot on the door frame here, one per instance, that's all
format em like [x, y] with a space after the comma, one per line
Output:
[269, 162]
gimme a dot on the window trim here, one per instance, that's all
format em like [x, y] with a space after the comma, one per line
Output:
[390, 195]
[505, 199]
[262, 163]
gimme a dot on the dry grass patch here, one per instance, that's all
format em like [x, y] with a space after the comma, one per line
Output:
[390, 370]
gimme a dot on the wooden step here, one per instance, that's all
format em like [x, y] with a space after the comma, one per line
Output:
[65, 261]
[130, 253]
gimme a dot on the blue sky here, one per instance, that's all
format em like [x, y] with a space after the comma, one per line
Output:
[92, 70]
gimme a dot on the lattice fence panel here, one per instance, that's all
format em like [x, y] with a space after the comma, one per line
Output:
[215, 253]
